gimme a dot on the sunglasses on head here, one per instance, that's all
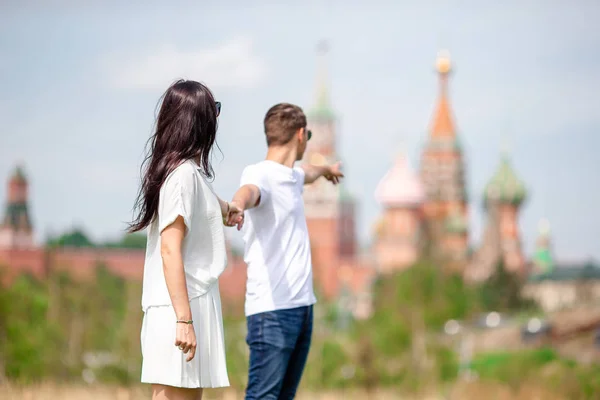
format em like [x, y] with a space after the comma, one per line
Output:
[218, 105]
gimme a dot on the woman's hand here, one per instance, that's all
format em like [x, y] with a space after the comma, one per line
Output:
[185, 339]
[232, 214]
[235, 216]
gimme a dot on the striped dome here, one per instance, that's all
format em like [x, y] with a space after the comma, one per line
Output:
[505, 186]
[400, 186]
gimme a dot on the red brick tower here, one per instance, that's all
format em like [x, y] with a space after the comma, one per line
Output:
[15, 230]
[442, 174]
[330, 210]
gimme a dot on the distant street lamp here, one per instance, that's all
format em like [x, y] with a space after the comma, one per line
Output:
[534, 328]
[492, 320]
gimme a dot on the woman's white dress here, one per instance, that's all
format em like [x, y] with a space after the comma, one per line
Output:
[186, 193]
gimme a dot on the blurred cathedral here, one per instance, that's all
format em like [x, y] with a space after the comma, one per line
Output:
[428, 211]
[422, 212]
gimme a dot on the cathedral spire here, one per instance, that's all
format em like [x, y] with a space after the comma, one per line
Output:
[322, 109]
[442, 126]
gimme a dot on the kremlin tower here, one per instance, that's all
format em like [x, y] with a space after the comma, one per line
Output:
[398, 240]
[15, 230]
[442, 174]
[330, 210]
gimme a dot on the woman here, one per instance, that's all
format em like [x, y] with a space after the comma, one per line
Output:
[182, 331]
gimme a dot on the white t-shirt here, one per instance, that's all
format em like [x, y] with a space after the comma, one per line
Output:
[277, 246]
[187, 193]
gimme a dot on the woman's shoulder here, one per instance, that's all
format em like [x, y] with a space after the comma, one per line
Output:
[184, 177]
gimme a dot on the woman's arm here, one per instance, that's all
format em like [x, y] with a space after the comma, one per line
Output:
[171, 240]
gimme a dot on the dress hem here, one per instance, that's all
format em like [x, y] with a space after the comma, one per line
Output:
[159, 382]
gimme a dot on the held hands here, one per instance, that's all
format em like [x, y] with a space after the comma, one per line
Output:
[234, 216]
[334, 173]
[185, 340]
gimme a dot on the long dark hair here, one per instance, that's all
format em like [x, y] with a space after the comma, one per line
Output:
[186, 128]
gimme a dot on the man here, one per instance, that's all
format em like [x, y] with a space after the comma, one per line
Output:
[279, 290]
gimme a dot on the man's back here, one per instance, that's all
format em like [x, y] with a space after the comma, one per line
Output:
[277, 246]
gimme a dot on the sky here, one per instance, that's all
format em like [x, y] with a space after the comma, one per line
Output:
[79, 84]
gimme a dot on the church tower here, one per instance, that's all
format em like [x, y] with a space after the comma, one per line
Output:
[397, 242]
[330, 210]
[543, 258]
[15, 230]
[442, 175]
[505, 193]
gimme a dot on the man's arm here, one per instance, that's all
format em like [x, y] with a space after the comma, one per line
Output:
[247, 197]
[313, 172]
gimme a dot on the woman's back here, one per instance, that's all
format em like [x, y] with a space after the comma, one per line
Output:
[186, 193]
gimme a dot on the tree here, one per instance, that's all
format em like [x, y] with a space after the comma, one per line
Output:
[75, 238]
[502, 291]
[134, 241]
[129, 241]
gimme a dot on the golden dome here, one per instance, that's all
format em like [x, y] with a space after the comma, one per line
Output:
[442, 63]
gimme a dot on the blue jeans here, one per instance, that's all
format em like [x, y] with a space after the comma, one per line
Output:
[279, 342]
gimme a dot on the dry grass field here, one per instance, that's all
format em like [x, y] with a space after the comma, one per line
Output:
[472, 391]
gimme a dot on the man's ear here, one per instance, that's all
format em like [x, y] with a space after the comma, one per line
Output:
[300, 134]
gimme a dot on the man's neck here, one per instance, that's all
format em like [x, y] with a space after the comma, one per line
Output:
[283, 155]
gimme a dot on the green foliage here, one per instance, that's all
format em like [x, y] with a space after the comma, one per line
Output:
[27, 303]
[511, 368]
[333, 357]
[47, 326]
[78, 238]
[75, 238]
[425, 290]
[502, 292]
[129, 241]
[236, 351]
[543, 366]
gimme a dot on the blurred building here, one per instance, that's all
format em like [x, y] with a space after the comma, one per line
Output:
[331, 209]
[429, 213]
[19, 253]
[558, 285]
[424, 212]
[398, 234]
[443, 177]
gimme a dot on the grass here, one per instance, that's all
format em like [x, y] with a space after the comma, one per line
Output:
[460, 391]
[81, 392]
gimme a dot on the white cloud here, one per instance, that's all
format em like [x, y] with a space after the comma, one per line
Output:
[232, 64]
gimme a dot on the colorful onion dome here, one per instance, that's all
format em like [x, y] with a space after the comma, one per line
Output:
[400, 187]
[456, 223]
[505, 186]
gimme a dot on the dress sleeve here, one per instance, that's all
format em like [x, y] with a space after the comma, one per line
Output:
[177, 197]
[253, 176]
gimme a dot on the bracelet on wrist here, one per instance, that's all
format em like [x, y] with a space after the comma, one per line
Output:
[183, 321]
